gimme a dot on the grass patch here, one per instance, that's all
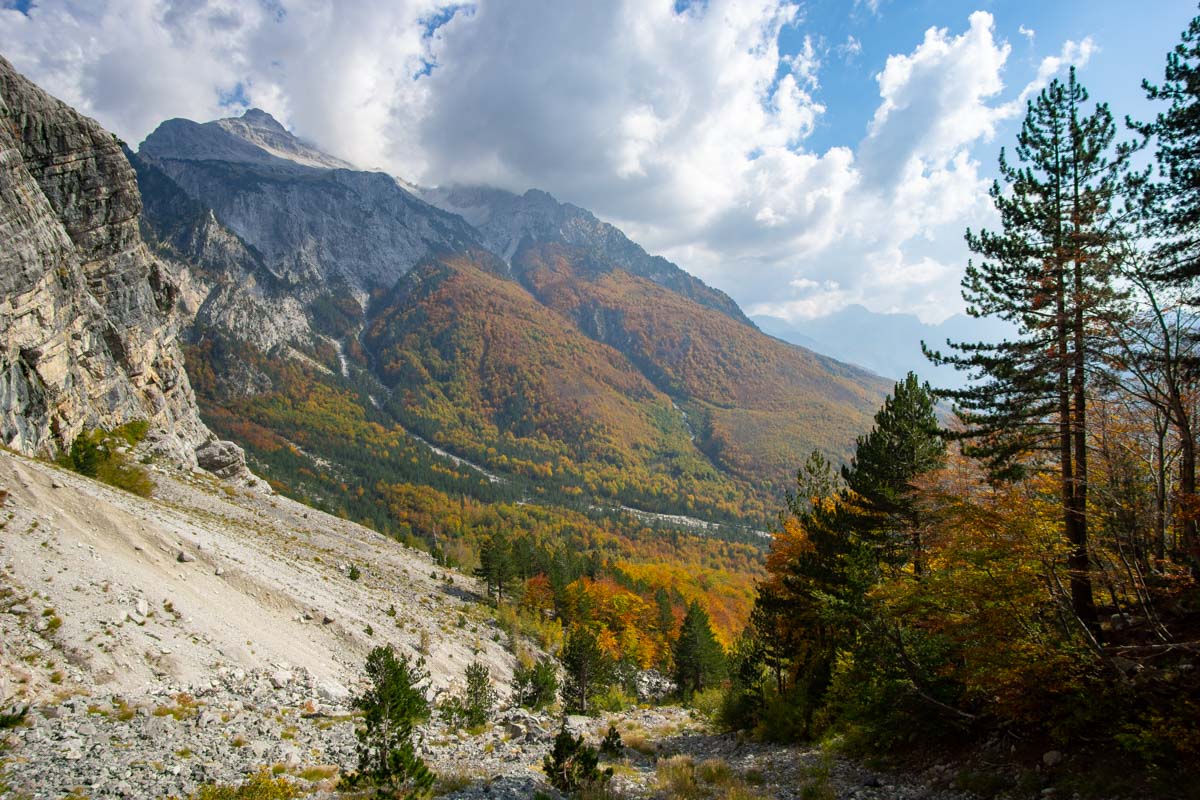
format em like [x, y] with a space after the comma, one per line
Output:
[318, 773]
[259, 786]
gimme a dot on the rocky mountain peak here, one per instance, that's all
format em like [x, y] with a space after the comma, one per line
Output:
[256, 137]
[257, 118]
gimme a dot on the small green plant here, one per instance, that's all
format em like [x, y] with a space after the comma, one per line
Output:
[676, 777]
[612, 745]
[13, 718]
[104, 455]
[354, 573]
[572, 765]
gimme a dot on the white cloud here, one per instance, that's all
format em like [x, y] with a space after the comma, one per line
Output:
[687, 129]
[1028, 33]
[850, 49]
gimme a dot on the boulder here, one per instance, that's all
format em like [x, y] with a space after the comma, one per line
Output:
[223, 459]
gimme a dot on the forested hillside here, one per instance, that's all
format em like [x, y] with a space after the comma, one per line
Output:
[1027, 573]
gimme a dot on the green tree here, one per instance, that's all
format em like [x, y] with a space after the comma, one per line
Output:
[904, 443]
[699, 659]
[535, 685]
[588, 670]
[496, 566]
[1172, 220]
[1049, 271]
[392, 704]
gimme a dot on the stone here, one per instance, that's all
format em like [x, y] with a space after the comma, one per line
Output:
[1052, 758]
[280, 678]
[184, 557]
[142, 607]
[333, 692]
[221, 458]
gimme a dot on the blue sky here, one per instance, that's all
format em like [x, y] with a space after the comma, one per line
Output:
[802, 155]
[1130, 45]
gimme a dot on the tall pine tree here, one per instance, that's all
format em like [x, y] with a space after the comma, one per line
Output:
[1049, 272]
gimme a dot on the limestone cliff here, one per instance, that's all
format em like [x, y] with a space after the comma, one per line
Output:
[87, 330]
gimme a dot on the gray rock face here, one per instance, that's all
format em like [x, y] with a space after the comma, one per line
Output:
[86, 334]
[505, 220]
[313, 224]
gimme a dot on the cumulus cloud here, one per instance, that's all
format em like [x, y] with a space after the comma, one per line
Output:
[684, 124]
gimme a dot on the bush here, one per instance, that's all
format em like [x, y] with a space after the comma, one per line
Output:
[708, 703]
[391, 706]
[612, 699]
[572, 765]
[535, 685]
[612, 745]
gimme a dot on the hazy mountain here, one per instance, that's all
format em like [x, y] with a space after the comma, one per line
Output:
[887, 344]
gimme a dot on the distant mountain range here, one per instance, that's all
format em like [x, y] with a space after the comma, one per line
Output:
[521, 334]
[887, 344]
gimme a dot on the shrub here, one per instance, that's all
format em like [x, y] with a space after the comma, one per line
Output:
[572, 765]
[613, 699]
[391, 706]
[612, 745]
[708, 703]
[535, 685]
[676, 777]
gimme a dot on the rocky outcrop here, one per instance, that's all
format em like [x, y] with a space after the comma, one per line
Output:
[87, 333]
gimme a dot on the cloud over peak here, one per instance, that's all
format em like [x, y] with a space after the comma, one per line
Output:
[684, 124]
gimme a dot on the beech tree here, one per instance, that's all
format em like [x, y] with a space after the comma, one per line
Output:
[1049, 271]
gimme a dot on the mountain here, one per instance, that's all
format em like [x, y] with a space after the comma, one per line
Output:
[756, 406]
[505, 220]
[887, 344]
[87, 326]
[315, 224]
[447, 328]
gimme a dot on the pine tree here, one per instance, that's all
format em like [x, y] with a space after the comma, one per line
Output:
[904, 443]
[699, 659]
[587, 669]
[1175, 200]
[1048, 271]
[392, 704]
[496, 566]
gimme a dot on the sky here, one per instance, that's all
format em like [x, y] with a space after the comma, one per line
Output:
[800, 155]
